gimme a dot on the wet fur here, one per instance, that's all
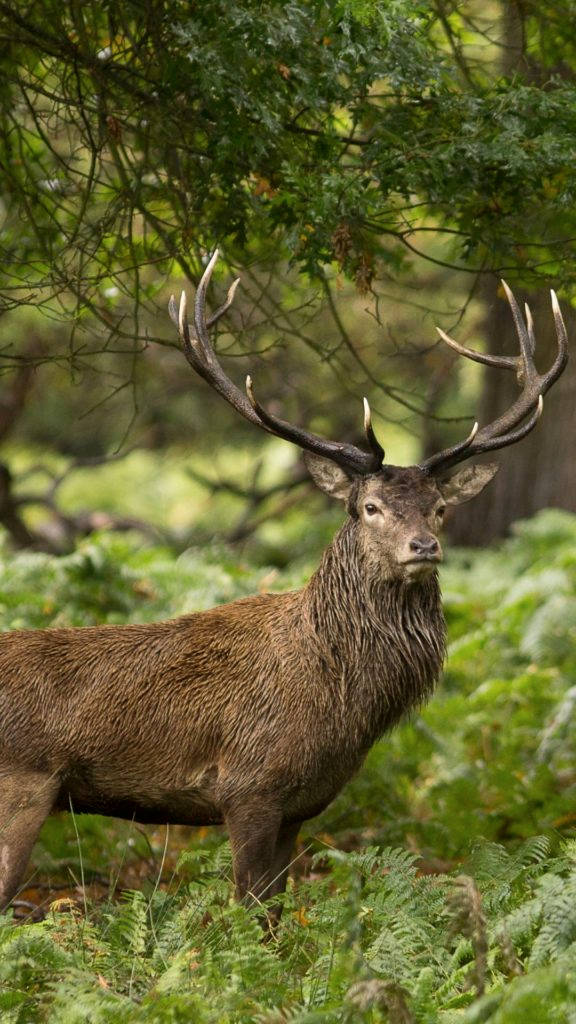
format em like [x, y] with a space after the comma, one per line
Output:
[257, 710]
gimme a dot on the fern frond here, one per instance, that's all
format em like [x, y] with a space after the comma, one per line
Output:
[558, 931]
[391, 998]
[464, 908]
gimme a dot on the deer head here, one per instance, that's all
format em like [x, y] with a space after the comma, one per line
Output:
[398, 511]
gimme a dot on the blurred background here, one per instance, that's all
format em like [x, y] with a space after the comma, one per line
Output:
[368, 170]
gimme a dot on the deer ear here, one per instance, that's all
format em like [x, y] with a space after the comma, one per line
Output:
[467, 483]
[328, 476]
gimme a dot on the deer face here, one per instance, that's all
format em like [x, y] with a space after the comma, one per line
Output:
[399, 515]
[399, 512]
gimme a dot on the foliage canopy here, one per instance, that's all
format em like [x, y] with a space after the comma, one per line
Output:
[133, 137]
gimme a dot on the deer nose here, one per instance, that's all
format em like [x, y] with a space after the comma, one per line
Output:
[425, 544]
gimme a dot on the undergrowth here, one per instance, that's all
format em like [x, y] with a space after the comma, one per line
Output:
[439, 887]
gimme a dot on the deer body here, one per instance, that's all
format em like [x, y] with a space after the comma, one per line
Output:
[256, 713]
[268, 703]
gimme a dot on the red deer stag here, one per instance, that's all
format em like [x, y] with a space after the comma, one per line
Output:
[253, 714]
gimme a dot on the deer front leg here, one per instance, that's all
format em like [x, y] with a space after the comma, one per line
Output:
[282, 857]
[261, 849]
[253, 832]
[26, 799]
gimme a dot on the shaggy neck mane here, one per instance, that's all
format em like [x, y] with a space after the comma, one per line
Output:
[383, 639]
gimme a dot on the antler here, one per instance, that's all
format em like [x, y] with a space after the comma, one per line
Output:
[201, 356]
[509, 427]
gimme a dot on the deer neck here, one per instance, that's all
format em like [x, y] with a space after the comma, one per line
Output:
[383, 639]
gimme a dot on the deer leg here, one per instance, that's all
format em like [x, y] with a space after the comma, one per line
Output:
[26, 799]
[261, 848]
[253, 833]
[283, 854]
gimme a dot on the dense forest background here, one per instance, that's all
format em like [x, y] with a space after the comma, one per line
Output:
[369, 169]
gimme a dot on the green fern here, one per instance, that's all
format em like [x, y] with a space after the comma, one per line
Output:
[557, 933]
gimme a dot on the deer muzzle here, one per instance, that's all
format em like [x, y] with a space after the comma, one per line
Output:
[424, 554]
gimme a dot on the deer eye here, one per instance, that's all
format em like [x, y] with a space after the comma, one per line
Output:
[371, 509]
[440, 511]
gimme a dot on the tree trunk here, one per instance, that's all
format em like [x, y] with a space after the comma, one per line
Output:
[538, 471]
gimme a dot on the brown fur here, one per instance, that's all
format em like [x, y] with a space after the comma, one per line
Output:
[254, 713]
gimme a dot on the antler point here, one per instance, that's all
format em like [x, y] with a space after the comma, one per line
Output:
[205, 279]
[449, 341]
[250, 392]
[182, 314]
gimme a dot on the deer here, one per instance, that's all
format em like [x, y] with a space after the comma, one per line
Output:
[256, 713]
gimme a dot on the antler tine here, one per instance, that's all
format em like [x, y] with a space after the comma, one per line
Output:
[530, 328]
[200, 325]
[505, 362]
[182, 318]
[523, 364]
[369, 431]
[203, 359]
[451, 455]
[526, 367]
[225, 305]
[173, 310]
[559, 363]
[348, 456]
[527, 408]
[178, 317]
